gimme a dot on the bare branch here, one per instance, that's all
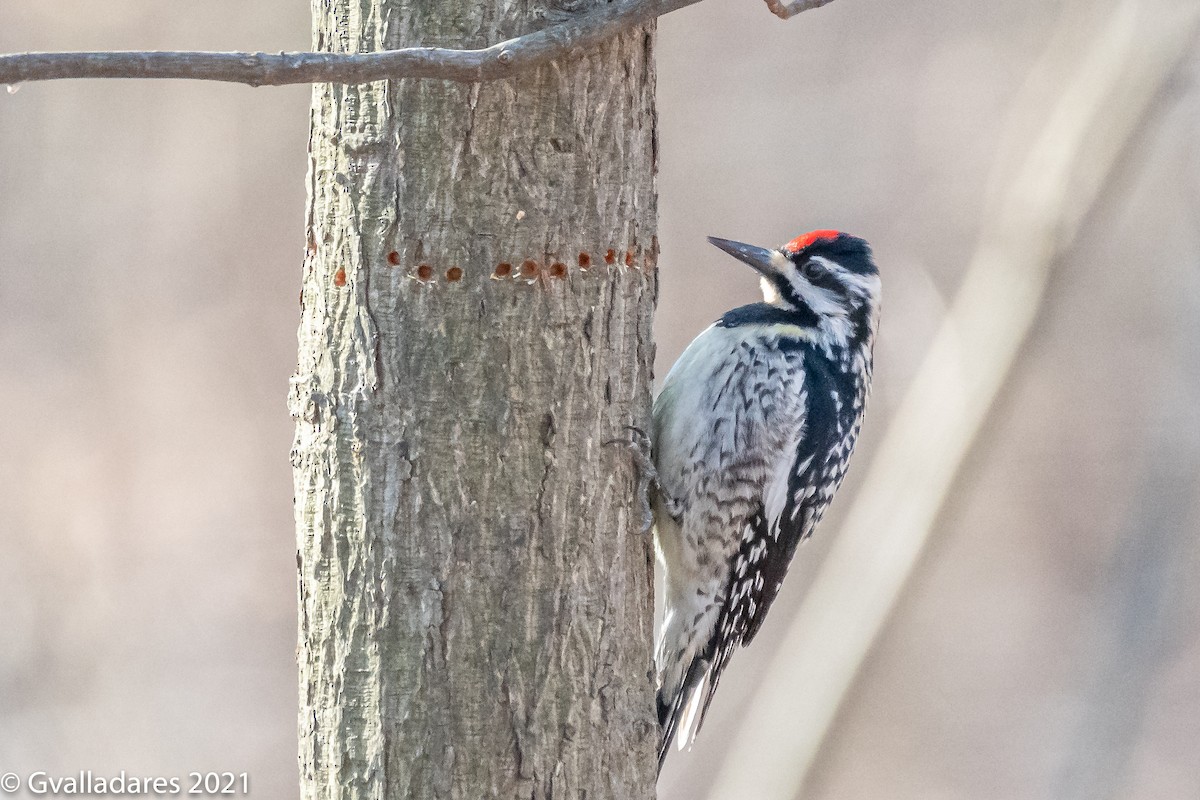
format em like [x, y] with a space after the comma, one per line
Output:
[501, 60]
[793, 8]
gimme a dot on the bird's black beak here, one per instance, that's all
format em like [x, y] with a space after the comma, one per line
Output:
[762, 259]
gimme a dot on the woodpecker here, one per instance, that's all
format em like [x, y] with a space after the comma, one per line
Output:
[752, 433]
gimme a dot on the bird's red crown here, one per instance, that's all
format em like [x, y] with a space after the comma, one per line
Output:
[805, 239]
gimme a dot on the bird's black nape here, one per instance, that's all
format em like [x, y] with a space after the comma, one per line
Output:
[764, 314]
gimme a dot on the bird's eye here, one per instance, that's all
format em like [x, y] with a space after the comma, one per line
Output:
[811, 268]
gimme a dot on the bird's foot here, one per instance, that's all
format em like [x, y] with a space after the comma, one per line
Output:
[639, 446]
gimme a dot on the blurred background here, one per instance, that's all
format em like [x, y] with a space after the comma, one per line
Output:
[1045, 643]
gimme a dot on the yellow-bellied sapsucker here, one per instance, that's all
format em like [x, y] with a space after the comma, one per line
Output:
[753, 430]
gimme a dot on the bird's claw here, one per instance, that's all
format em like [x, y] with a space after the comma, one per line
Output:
[639, 446]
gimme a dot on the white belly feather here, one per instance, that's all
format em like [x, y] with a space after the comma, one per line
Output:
[726, 427]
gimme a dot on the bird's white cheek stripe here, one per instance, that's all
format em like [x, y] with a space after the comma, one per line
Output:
[770, 293]
[822, 301]
[866, 285]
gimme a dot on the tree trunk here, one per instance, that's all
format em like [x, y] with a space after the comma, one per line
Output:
[475, 594]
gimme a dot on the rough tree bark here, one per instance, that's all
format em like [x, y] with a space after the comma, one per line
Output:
[475, 594]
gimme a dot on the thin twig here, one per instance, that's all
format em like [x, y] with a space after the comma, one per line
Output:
[789, 10]
[501, 60]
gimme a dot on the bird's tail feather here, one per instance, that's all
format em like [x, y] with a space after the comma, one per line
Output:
[686, 705]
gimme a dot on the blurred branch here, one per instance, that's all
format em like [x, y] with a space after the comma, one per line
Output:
[503, 60]
[1138, 616]
[1024, 231]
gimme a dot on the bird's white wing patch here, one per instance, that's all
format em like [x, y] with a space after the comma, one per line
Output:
[775, 495]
